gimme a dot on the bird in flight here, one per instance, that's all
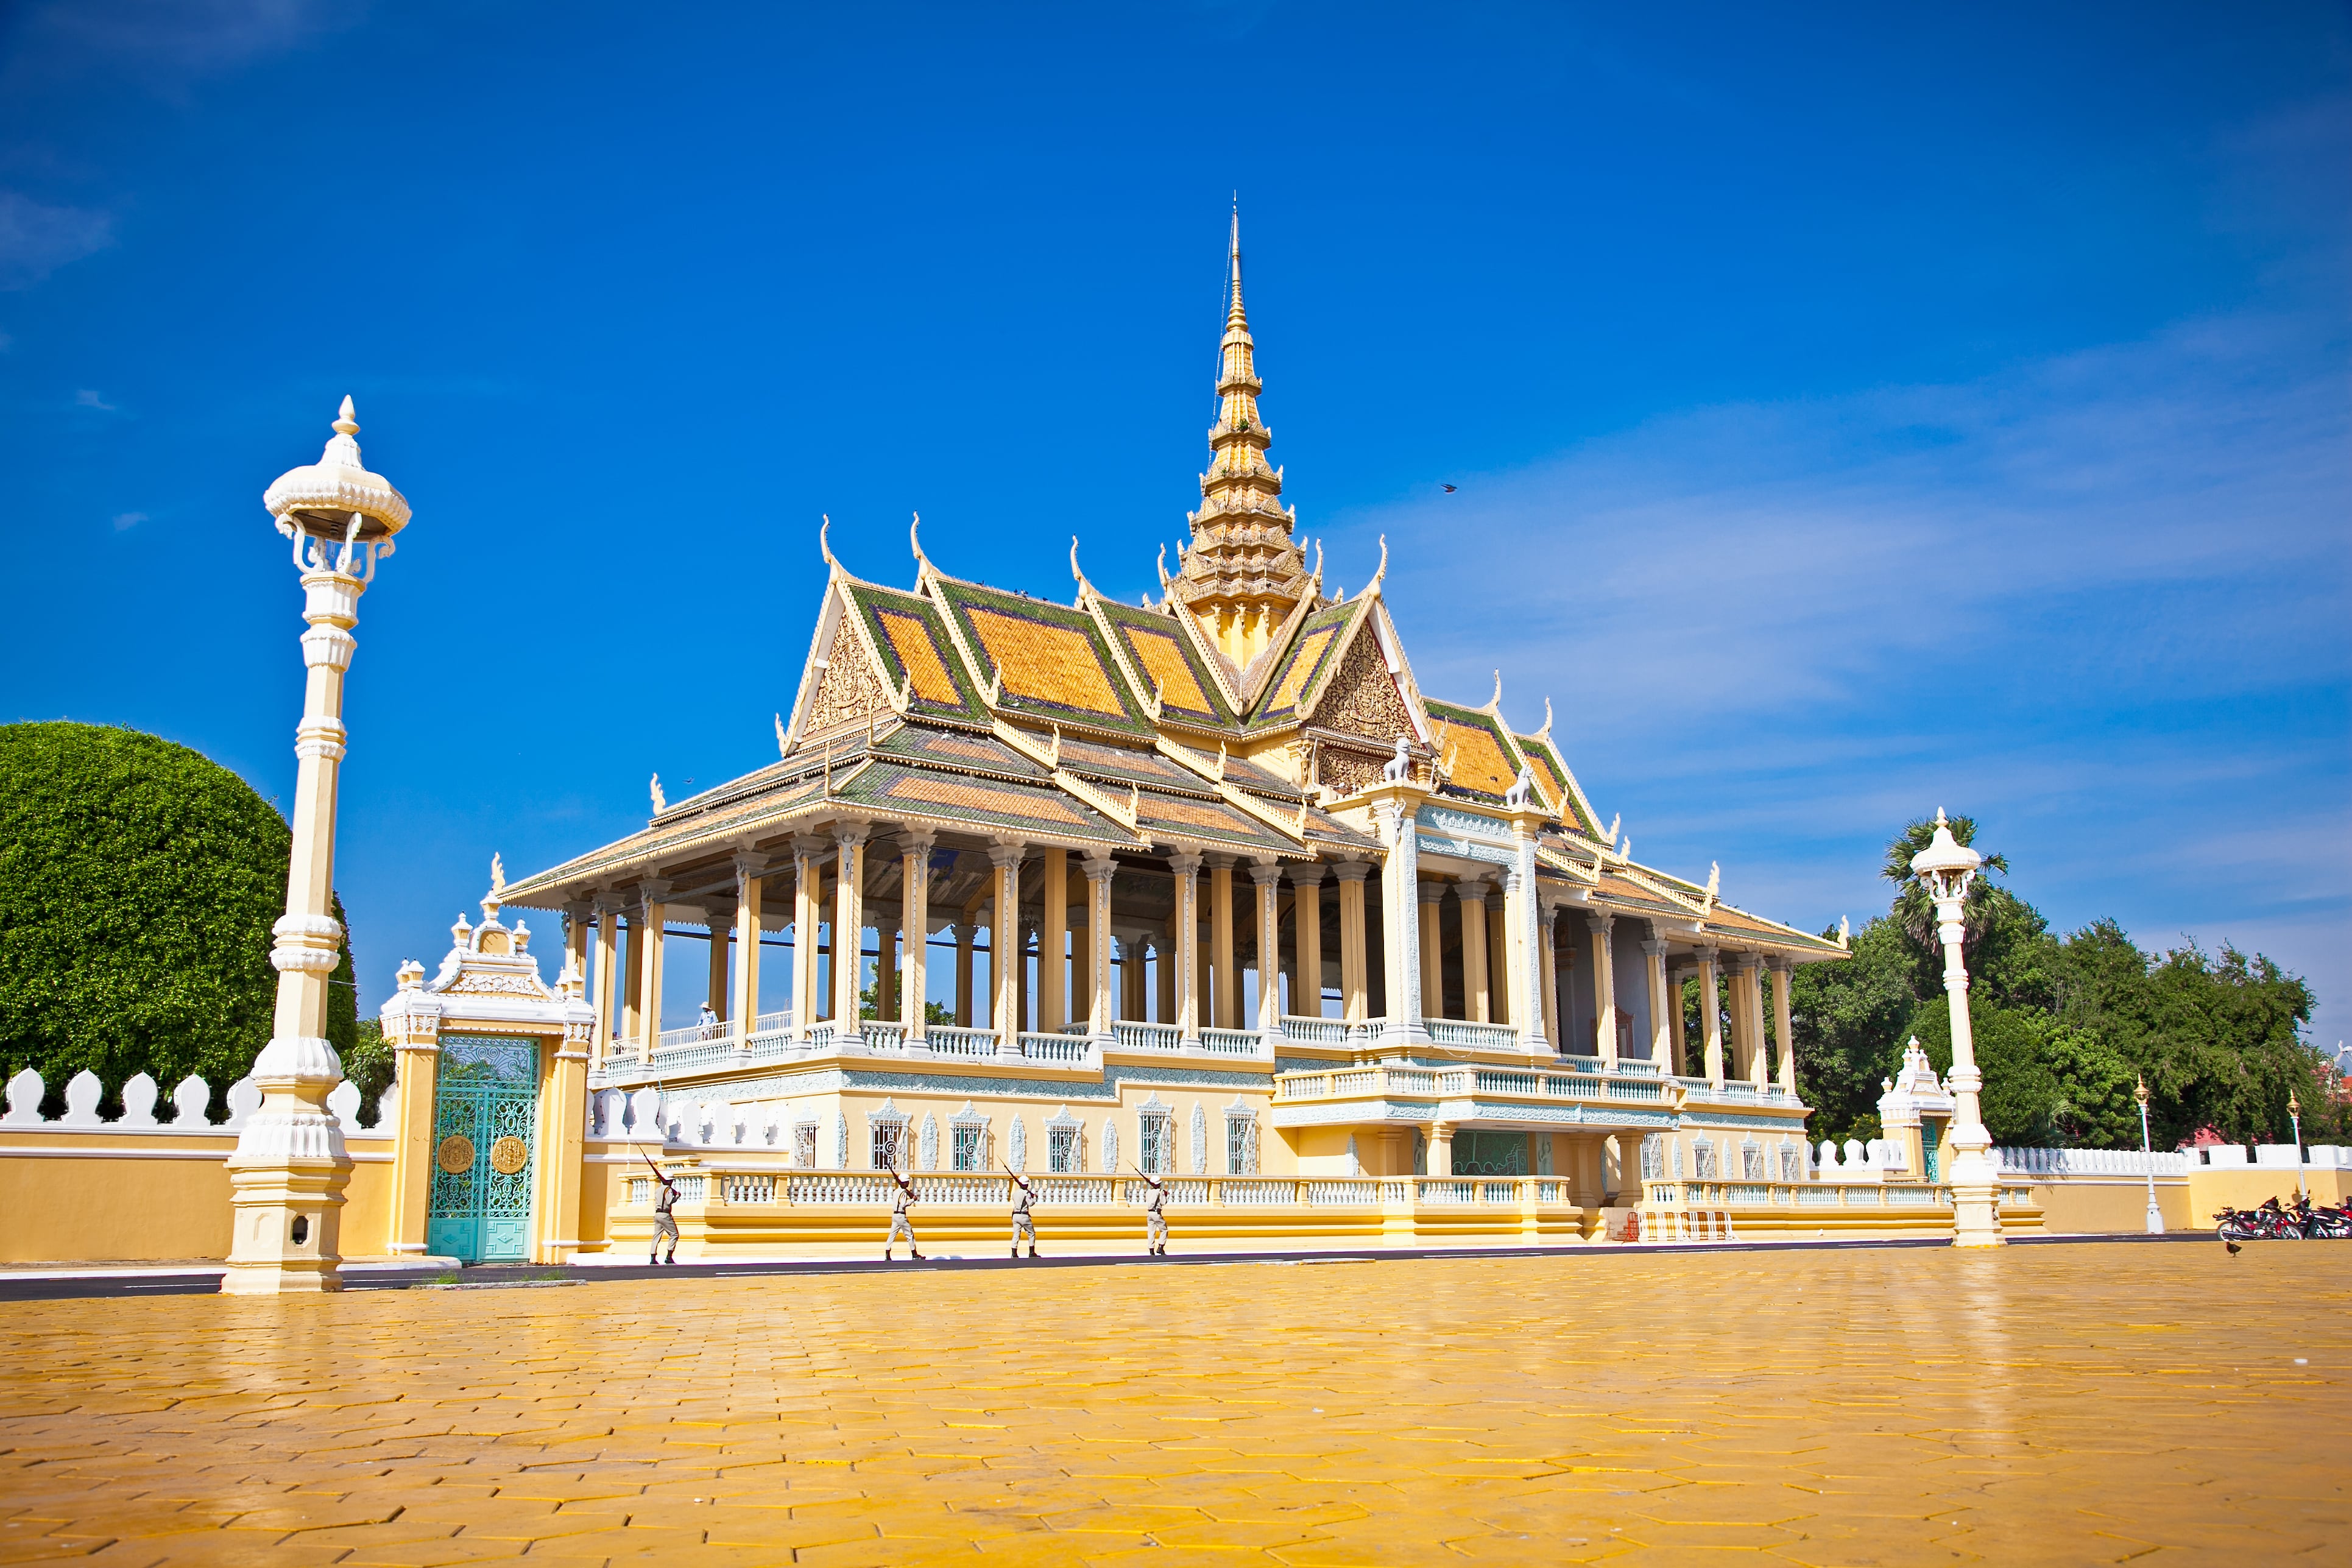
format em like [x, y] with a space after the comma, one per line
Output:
[1449, 490]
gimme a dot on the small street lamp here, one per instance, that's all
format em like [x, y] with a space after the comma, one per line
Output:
[287, 1175]
[2294, 1114]
[1947, 868]
[2147, 1157]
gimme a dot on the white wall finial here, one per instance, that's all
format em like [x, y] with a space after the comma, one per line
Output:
[661, 805]
[347, 422]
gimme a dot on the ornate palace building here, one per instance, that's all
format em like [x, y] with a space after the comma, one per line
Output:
[1225, 893]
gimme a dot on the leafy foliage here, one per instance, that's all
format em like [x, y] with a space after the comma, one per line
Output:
[138, 882]
[2065, 1027]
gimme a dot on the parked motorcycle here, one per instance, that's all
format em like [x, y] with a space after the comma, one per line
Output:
[2274, 1221]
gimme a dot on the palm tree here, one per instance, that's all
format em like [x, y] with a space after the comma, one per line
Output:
[1912, 910]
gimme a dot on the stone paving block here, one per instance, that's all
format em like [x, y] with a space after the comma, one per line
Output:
[2062, 1409]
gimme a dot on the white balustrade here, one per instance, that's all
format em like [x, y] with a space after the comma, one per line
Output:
[1314, 1031]
[1136, 1035]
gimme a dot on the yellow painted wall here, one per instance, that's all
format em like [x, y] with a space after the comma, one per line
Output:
[109, 1196]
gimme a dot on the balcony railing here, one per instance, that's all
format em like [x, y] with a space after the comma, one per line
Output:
[783, 1186]
[1475, 1037]
[1429, 1083]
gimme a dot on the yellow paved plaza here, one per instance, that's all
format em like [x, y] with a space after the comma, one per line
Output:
[2070, 1404]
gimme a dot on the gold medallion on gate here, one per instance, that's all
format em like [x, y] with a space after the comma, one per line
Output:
[457, 1155]
[508, 1154]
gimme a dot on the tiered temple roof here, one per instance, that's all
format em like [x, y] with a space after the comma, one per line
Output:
[1246, 712]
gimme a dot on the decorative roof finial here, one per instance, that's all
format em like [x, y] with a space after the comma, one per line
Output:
[1243, 573]
[346, 421]
[915, 542]
[782, 749]
[661, 805]
[1373, 587]
[1545, 733]
[1494, 703]
[1084, 586]
[824, 546]
[497, 871]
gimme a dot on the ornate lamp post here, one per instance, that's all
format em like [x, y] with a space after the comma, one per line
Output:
[2294, 1114]
[1947, 868]
[287, 1175]
[2147, 1157]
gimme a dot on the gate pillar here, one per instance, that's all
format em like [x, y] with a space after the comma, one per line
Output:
[514, 1168]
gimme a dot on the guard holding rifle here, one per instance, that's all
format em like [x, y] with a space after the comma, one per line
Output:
[665, 1223]
[1023, 1224]
[899, 1223]
[1155, 1214]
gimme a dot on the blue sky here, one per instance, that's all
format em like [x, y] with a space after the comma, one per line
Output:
[1852, 411]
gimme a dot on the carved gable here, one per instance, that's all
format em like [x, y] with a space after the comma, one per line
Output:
[1363, 698]
[849, 689]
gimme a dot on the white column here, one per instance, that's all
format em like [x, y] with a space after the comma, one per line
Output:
[1478, 969]
[1400, 924]
[808, 894]
[1710, 1014]
[1006, 960]
[1545, 936]
[646, 947]
[608, 972]
[1654, 954]
[1266, 873]
[1306, 914]
[748, 870]
[1354, 999]
[1053, 944]
[718, 918]
[915, 904]
[1187, 956]
[1604, 988]
[1781, 1025]
[1531, 986]
[1101, 1006]
[848, 926]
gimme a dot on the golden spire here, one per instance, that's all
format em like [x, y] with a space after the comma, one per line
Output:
[1244, 574]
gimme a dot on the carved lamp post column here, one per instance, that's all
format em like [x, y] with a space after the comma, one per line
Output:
[287, 1175]
[2148, 1159]
[1947, 868]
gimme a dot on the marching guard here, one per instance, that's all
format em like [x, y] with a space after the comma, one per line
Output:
[899, 1223]
[1155, 1214]
[1024, 1195]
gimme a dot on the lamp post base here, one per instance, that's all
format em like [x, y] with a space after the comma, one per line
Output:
[1976, 1218]
[2155, 1219]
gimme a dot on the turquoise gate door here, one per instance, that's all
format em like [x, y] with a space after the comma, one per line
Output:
[485, 1149]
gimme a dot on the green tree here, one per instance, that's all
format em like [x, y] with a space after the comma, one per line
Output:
[2019, 1097]
[2096, 1107]
[138, 882]
[1848, 1020]
[933, 1012]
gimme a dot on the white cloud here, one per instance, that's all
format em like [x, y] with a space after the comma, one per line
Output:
[125, 521]
[87, 398]
[36, 238]
[2099, 601]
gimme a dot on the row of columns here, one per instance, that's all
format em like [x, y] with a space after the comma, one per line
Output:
[1412, 971]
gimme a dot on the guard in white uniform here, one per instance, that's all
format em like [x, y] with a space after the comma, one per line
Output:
[1155, 1215]
[1023, 1224]
[899, 1223]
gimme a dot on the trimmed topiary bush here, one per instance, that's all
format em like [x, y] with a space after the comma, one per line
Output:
[139, 880]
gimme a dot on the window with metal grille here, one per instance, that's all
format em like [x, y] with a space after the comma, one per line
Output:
[804, 1145]
[1653, 1157]
[1065, 1152]
[1703, 1160]
[1158, 1152]
[1791, 1168]
[1240, 1145]
[887, 1136]
[969, 1153]
[1751, 1162]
